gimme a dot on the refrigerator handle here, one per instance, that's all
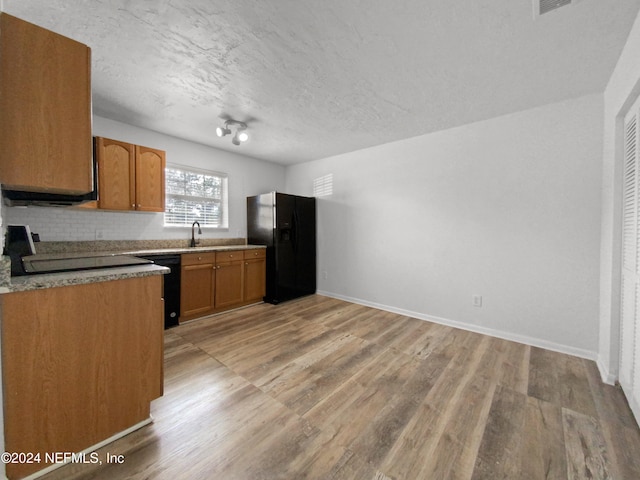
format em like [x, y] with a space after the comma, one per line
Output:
[273, 210]
[294, 231]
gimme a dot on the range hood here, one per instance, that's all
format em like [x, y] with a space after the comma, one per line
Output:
[19, 198]
[24, 198]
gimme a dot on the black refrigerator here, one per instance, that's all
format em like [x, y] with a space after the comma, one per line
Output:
[286, 224]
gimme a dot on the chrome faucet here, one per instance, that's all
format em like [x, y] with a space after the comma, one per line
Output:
[193, 238]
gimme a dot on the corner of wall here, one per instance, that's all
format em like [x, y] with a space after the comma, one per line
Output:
[605, 375]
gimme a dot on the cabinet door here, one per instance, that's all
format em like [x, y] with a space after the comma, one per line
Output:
[45, 100]
[229, 284]
[196, 291]
[254, 279]
[150, 165]
[116, 173]
[76, 367]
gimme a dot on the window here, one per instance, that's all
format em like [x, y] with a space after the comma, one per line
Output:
[195, 195]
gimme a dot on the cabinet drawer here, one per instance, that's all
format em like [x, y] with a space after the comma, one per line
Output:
[229, 256]
[198, 258]
[255, 253]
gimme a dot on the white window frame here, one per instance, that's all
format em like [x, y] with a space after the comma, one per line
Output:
[223, 201]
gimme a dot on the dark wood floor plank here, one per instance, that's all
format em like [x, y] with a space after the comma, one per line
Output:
[377, 440]
[360, 323]
[332, 314]
[466, 423]
[542, 453]
[585, 446]
[429, 342]
[618, 425]
[609, 400]
[390, 327]
[244, 356]
[561, 379]
[514, 372]
[575, 390]
[352, 467]
[302, 352]
[454, 433]
[623, 447]
[543, 376]
[318, 380]
[498, 454]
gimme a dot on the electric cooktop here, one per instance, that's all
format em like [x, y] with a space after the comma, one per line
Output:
[80, 263]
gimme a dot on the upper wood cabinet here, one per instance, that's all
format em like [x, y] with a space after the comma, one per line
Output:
[45, 105]
[116, 174]
[150, 165]
[130, 177]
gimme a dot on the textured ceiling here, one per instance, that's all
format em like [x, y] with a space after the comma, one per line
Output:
[318, 78]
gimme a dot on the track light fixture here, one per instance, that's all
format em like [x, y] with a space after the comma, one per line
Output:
[240, 136]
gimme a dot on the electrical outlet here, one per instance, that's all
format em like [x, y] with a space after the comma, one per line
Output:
[99, 234]
[477, 300]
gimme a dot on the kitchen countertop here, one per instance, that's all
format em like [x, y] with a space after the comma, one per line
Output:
[147, 251]
[65, 279]
[60, 279]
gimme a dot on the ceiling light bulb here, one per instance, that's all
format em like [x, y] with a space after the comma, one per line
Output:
[243, 136]
[221, 132]
[235, 140]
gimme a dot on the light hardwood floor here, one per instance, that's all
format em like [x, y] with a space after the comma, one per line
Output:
[319, 388]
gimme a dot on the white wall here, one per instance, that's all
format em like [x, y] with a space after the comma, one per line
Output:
[507, 208]
[246, 176]
[623, 88]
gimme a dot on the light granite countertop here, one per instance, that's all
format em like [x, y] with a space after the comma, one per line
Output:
[65, 279]
[145, 252]
[10, 284]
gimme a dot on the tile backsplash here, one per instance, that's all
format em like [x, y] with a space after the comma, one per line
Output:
[67, 224]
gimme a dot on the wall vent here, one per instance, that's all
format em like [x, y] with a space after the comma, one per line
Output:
[323, 186]
[540, 7]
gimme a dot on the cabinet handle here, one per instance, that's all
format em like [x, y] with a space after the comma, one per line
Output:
[199, 258]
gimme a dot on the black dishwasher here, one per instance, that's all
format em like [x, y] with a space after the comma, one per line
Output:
[171, 286]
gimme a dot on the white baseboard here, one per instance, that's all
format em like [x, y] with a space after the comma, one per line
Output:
[606, 376]
[635, 407]
[532, 341]
[91, 449]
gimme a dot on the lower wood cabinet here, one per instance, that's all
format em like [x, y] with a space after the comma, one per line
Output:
[229, 279]
[79, 364]
[217, 281]
[255, 275]
[197, 279]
